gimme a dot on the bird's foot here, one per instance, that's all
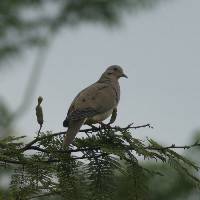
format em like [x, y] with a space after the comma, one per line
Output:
[92, 126]
[105, 126]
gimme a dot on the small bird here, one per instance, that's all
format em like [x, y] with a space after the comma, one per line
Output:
[95, 103]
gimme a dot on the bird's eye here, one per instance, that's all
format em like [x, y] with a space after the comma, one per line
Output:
[115, 69]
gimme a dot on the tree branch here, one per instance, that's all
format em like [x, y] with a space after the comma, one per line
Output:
[173, 146]
[86, 151]
[89, 130]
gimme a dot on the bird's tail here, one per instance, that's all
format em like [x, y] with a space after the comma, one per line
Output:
[73, 129]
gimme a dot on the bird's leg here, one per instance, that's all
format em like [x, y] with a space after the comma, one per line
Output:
[105, 126]
[112, 120]
[92, 126]
[113, 117]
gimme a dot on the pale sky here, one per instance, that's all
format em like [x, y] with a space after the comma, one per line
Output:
[159, 50]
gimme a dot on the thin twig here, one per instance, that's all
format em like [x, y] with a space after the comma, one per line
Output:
[98, 148]
[92, 156]
[10, 161]
[173, 146]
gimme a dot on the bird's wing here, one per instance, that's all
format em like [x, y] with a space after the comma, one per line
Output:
[96, 99]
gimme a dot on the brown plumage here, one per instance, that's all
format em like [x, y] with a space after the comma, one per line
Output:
[95, 103]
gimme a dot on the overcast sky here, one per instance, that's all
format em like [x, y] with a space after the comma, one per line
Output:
[159, 50]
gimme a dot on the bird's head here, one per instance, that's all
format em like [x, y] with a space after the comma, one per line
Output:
[116, 71]
[113, 72]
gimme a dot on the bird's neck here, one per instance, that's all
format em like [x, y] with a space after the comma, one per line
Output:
[108, 79]
[113, 83]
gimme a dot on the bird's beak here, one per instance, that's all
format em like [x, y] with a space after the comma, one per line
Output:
[124, 75]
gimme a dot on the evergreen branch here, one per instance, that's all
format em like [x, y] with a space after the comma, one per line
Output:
[91, 162]
[89, 130]
[18, 162]
[63, 151]
[10, 161]
[173, 146]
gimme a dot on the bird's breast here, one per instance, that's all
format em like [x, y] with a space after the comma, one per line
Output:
[99, 117]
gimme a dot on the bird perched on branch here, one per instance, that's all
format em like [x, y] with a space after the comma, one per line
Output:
[95, 103]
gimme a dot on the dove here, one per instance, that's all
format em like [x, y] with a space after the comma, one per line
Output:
[95, 103]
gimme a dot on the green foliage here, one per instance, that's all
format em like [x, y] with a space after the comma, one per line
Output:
[172, 186]
[133, 185]
[27, 23]
[106, 164]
